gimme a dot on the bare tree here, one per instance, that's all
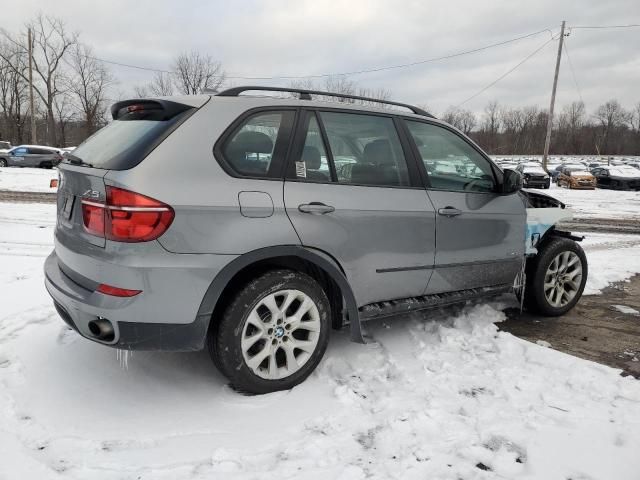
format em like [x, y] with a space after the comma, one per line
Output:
[464, 120]
[611, 116]
[65, 112]
[141, 91]
[13, 92]
[634, 118]
[89, 86]
[194, 72]
[51, 44]
[491, 125]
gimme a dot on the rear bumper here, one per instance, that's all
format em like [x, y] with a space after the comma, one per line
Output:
[163, 317]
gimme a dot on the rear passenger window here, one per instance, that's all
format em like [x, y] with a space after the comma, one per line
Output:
[251, 150]
[366, 149]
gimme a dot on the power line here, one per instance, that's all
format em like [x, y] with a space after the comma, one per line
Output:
[632, 25]
[356, 72]
[508, 72]
[128, 65]
[573, 73]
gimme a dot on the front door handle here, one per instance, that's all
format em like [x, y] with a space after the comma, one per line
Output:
[316, 208]
[449, 211]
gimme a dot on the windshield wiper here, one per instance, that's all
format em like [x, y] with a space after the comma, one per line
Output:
[76, 160]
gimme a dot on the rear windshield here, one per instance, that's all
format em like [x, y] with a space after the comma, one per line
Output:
[125, 142]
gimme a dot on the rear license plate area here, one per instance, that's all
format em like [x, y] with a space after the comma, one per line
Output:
[67, 206]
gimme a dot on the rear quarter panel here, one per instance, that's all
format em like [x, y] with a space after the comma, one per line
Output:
[183, 172]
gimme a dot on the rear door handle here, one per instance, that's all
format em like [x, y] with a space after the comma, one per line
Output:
[316, 208]
[449, 212]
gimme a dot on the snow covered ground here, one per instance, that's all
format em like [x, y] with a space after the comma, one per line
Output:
[444, 396]
[599, 203]
[27, 179]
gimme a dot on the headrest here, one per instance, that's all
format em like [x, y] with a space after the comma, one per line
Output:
[253, 142]
[311, 157]
[378, 152]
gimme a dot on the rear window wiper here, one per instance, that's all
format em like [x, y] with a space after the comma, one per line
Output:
[77, 160]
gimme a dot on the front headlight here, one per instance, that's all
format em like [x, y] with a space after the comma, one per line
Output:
[546, 177]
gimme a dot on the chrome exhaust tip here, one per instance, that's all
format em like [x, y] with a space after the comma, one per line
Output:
[102, 329]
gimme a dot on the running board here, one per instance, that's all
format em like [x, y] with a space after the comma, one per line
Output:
[425, 302]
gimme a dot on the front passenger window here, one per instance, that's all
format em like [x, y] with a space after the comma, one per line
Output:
[451, 163]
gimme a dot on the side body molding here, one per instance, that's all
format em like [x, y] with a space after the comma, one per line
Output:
[318, 258]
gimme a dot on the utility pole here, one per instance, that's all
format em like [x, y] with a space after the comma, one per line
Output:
[31, 105]
[547, 141]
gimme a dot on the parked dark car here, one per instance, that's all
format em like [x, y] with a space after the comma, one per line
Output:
[31, 156]
[619, 178]
[533, 175]
[556, 171]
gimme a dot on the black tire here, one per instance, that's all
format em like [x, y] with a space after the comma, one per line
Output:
[535, 299]
[3, 163]
[224, 339]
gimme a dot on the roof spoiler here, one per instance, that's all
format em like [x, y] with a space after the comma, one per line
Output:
[167, 108]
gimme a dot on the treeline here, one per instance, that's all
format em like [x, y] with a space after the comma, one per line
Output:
[609, 130]
[74, 89]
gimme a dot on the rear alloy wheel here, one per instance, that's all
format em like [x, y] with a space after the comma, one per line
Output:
[556, 277]
[274, 333]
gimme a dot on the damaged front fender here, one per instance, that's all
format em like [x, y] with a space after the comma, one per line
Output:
[543, 213]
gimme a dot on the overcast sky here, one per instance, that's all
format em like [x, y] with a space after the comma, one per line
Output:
[302, 37]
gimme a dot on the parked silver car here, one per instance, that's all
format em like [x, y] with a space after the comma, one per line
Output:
[37, 156]
[254, 225]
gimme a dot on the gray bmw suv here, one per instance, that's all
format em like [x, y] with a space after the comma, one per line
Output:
[254, 225]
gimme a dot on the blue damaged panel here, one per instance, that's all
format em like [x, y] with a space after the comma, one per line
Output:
[539, 220]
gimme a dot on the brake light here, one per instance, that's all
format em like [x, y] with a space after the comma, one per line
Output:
[116, 292]
[126, 217]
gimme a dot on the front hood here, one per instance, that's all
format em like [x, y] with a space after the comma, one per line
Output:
[536, 199]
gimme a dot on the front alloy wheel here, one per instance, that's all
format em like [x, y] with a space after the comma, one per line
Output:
[556, 277]
[563, 278]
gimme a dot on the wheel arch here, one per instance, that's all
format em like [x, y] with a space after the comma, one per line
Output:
[321, 266]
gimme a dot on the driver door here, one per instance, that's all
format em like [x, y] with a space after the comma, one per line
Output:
[480, 234]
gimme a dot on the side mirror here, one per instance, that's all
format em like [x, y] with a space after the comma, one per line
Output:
[511, 182]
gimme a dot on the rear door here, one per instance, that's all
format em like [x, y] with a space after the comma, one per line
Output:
[353, 192]
[480, 233]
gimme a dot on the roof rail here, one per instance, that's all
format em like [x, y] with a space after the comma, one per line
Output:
[306, 95]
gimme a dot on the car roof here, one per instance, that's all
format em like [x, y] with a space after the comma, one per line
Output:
[37, 146]
[268, 100]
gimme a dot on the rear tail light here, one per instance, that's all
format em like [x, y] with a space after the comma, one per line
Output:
[126, 217]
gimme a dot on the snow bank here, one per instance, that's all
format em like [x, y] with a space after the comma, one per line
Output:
[27, 179]
[443, 396]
